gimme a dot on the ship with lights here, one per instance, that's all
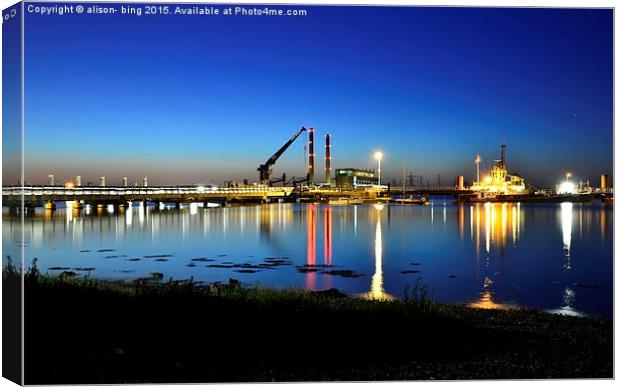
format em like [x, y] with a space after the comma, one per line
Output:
[498, 185]
[498, 181]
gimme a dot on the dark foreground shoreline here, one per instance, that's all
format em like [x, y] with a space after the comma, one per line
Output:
[89, 331]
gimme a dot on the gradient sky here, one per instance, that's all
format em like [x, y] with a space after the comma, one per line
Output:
[187, 99]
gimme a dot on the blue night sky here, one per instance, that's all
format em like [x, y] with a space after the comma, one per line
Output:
[186, 99]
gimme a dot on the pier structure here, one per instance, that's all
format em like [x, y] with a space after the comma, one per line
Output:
[48, 196]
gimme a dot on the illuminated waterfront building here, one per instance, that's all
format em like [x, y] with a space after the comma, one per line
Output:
[354, 178]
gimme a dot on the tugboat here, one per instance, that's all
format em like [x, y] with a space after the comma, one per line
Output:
[498, 183]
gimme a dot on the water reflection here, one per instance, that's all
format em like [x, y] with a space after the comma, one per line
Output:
[376, 288]
[568, 300]
[517, 257]
[327, 236]
[486, 302]
[376, 285]
[486, 297]
[567, 227]
[311, 245]
[499, 221]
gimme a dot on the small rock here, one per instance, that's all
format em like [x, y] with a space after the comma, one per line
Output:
[344, 273]
[202, 259]
[233, 282]
[331, 293]
[307, 270]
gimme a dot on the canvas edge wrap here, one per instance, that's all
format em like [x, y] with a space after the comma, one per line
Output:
[13, 174]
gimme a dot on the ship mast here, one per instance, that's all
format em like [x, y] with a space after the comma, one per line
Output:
[502, 159]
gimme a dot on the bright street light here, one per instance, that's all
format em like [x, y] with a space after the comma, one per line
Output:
[477, 161]
[378, 156]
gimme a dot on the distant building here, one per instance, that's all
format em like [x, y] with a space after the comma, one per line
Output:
[354, 178]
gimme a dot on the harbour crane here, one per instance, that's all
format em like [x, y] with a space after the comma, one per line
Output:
[266, 168]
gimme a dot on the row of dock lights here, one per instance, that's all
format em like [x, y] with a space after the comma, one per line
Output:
[51, 181]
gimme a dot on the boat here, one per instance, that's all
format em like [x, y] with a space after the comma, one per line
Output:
[403, 200]
[345, 201]
[532, 198]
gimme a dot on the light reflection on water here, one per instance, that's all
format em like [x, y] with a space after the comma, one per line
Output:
[556, 257]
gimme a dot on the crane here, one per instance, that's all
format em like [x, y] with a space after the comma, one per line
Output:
[265, 169]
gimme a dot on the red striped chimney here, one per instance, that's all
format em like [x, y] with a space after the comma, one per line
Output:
[328, 160]
[310, 156]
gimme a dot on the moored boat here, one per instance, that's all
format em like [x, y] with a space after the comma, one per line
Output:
[423, 200]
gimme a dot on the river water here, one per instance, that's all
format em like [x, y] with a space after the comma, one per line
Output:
[553, 257]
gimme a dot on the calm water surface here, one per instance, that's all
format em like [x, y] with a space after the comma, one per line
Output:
[556, 257]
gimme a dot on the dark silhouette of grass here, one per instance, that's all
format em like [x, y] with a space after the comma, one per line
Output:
[83, 330]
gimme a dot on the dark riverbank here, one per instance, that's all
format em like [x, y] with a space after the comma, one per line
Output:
[87, 331]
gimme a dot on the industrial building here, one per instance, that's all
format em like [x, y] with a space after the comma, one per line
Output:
[354, 178]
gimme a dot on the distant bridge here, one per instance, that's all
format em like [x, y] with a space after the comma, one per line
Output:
[47, 196]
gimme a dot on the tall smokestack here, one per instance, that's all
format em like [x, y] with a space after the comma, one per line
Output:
[310, 156]
[328, 160]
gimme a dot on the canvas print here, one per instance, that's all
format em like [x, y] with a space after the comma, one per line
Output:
[201, 193]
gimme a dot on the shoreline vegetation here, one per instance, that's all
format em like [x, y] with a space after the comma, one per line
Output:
[84, 330]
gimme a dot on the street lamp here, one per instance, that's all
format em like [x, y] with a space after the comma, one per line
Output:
[477, 161]
[378, 156]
